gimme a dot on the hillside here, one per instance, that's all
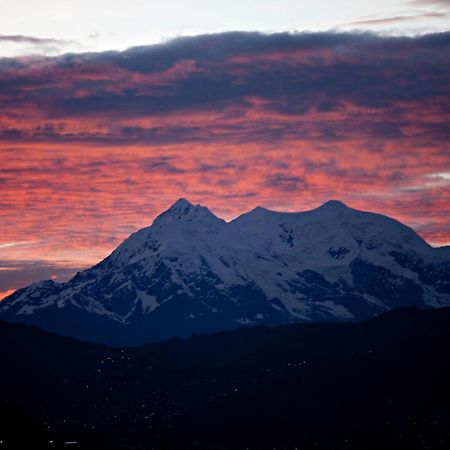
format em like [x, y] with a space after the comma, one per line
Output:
[382, 383]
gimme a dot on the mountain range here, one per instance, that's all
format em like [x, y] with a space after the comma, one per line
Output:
[192, 272]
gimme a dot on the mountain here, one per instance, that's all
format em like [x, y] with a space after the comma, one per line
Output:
[381, 383]
[191, 272]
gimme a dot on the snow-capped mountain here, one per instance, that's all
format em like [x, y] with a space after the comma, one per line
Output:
[191, 272]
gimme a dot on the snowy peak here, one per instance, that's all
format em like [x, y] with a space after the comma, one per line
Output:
[329, 208]
[181, 208]
[184, 211]
[333, 204]
[180, 205]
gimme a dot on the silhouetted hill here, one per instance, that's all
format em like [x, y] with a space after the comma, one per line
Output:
[383, 383]
[19, 431]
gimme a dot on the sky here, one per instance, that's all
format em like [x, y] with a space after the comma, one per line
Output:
[61, 26]
[111, 111]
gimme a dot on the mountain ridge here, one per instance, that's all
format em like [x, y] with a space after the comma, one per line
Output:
[191, 271]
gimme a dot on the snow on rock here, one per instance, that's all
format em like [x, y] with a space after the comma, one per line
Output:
[191, 271]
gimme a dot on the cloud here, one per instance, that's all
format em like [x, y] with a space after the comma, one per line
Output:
[441, 176]
[285, 182]
[14, 244]
[21, 39]
[165, 93]
[442, 3]
[19, 273]
[398, 19]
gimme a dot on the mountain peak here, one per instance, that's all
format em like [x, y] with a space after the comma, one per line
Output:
[185, 211]
[259, 209]
[181, 204]
[335, 204]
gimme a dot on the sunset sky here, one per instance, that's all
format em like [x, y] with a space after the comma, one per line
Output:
[251, 103]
